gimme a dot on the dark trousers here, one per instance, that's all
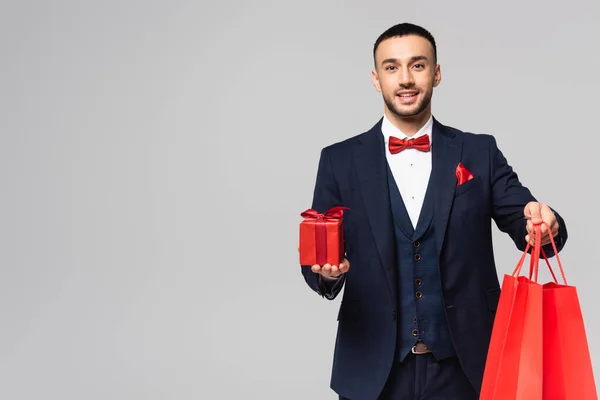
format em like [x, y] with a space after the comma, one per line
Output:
[421, 377]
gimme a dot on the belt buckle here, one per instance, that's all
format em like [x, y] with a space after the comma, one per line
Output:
[415, 351]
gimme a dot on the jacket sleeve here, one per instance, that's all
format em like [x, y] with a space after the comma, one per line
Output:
[325, 196]
[509, 198]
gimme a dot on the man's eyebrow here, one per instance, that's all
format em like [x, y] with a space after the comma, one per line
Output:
[412, 59]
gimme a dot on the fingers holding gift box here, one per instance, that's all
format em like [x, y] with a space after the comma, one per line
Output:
[332, 271]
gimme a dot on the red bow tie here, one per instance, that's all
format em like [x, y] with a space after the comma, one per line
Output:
[396, 145]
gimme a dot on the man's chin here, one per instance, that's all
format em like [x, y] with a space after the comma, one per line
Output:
[407, 112]
[412, 110]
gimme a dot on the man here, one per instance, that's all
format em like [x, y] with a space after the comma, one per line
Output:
[420, 282]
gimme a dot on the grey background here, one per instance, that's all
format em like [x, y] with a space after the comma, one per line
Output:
[155, 157]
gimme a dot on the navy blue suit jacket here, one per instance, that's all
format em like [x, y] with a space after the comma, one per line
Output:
[352, 173]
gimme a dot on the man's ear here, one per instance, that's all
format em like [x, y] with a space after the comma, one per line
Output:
[437, 77]
[375, 79]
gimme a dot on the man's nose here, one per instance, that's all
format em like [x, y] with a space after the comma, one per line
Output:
[406, 78]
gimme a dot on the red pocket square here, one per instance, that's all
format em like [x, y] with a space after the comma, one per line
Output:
[463, 174]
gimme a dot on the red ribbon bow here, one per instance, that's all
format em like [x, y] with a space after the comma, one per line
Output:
[331, 214]
[421, 143]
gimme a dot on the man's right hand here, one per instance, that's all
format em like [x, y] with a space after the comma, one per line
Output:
[332, 271]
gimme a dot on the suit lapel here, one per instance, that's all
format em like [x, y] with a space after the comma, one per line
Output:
[425, 216]
[371, 170]
[399, 211]
[446, 153]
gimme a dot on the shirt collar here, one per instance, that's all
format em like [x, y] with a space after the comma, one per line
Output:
[388, 129]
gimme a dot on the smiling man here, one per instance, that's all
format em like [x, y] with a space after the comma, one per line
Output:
[420, 282]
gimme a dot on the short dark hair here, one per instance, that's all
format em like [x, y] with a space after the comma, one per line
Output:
[404, 29]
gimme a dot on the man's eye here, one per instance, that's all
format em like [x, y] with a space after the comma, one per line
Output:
[389, 67]
[418, 66]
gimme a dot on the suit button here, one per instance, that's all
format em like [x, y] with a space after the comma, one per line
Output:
[417, 257]
[418, 282]
[419, 295]
[415, 332]
[394, 315]
[416, 243]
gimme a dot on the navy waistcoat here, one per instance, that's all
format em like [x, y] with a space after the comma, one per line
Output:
[421, 314]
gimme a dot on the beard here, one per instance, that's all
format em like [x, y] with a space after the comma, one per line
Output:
[408, 110]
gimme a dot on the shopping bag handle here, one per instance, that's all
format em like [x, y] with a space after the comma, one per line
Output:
[535, 256]
[517, 270]
[562, 272]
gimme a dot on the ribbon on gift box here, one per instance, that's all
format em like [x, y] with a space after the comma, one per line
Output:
[333, 214]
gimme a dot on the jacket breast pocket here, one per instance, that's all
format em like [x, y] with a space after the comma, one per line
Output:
[468, 186]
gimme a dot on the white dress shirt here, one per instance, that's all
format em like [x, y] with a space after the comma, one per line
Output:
[410, 167]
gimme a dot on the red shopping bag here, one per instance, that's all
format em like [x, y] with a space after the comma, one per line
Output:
[568, 373]
[514, 364]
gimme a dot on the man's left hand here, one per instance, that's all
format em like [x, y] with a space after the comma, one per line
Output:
[536, 213]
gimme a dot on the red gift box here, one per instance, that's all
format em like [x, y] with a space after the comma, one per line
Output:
[322, 237]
